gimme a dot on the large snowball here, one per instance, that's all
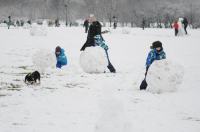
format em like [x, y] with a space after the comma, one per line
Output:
[38, 30]
[43, 59]
[93, 60]
[126, 30]
[164, 76]
[27, 26]
[3, 25]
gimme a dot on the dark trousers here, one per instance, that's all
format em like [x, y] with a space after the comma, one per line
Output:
[185, 28]
[86, 29]
[110, 66]
[176, 32]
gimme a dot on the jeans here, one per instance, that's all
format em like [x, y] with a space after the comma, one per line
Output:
[110, 66]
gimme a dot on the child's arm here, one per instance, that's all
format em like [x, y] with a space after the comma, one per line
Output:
[149, 59]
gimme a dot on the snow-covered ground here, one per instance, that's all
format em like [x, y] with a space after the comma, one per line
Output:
[70, 100]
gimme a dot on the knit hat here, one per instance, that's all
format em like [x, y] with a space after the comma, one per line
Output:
[156, 44]
[58, 49]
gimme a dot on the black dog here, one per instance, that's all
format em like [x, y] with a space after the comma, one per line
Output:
[32, 78]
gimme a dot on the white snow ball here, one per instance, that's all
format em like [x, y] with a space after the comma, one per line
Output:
[164, 76]
[126, 30]
[3, 25]
[93, 60]
[44, 59]
[181, 27]
[38, 30]
[27, 26]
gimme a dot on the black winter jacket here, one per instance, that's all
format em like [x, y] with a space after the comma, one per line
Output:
[94, 29]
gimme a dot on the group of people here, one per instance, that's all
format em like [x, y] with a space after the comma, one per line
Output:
[94, 38]
[178, 24]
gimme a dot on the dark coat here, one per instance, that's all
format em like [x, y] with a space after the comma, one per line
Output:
[94, 29]
[86, 23]
[185, 21]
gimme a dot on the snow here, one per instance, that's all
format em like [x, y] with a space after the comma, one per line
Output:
[71, 100]
[164, 76]
[93, 60]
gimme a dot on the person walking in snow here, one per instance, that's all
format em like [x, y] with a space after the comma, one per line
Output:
[9, 22]
[94, 38]
[157, 53]
[175, 26]
[86, 25]
[185, 23]
[60, 57]
[143, 23]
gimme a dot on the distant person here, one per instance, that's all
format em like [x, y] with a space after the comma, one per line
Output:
[175, 26]
[156, 53]
[22, 22]
[94, 38]
[86, 25]
[115, 22]
[185, 23]
[29, 22]
[57, 24]
[143, 23]
[9, 22]
[18, 23]
[60, 57]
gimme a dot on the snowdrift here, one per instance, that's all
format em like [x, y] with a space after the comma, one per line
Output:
[93, 60]
[164, 76]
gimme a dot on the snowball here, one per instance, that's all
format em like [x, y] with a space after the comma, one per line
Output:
[181, 27]
[126, 31]
[44, 59]
[164, 76]
[3, 25]
[27, 26]
[38, 30]
[93, 60]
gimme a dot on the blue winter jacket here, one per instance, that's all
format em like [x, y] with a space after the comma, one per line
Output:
[98, 40]
[61, 59]
[154, 55]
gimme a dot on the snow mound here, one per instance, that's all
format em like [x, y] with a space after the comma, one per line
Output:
[164, 76]
[93, 60]
[126, 31]
[3, 25]
[181, 27]
[27, 26]
[44, 59]
[38, 30]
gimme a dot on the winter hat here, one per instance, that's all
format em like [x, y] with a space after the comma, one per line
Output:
[58, 49]
[156, 44]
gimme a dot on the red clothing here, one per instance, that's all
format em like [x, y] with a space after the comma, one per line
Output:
[176, 25]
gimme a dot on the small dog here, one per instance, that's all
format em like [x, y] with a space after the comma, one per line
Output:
[32, 78]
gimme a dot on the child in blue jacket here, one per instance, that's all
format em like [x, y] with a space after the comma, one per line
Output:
[60, 57]
[157, 53]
